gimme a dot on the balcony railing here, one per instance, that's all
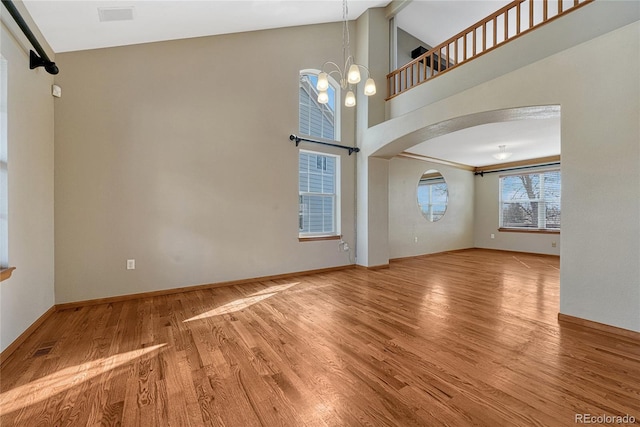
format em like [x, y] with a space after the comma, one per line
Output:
[508, 23]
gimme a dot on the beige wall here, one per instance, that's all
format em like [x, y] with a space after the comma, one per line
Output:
[29, 293]
[406, 44]
[176, 154]
[486, 223]
[406, 223]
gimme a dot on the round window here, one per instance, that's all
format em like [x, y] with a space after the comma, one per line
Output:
[432, 195]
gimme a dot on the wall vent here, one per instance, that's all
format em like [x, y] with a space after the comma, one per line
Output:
[44, 349]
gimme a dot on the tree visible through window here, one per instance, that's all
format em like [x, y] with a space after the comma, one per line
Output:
[318, 183]
[530, 201]
[432, 195]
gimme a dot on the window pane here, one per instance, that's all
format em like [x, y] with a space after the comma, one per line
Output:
[317, 186]
[552, 185]
[553, 215]
[315, 183]
[439, 193]
[315, 119]
[520, 214]
[530, 200]
[303, 183]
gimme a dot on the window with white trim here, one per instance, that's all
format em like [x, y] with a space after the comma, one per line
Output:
[530, 201]
[318, 120]
[4, 169]
[319, 181]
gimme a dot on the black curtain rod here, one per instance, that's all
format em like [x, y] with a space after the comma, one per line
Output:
[35, 61]
[297, 139]
[481, 173]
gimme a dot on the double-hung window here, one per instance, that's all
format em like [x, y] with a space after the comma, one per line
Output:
[318, 173]
[530, 201]
[318, 177]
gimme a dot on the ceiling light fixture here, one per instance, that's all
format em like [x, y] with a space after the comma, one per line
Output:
[503, 154]
[349, 75]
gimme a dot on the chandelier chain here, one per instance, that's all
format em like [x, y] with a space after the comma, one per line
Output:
[346, 51]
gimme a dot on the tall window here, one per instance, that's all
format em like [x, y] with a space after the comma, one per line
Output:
[315, 119]
[4, 212]
[318, 179]
[530, 201]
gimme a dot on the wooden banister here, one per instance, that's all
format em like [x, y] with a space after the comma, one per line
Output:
[439, 60]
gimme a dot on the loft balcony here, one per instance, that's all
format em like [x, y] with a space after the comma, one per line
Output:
[501, 27]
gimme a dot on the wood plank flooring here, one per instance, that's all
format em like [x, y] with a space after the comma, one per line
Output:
[459, 339]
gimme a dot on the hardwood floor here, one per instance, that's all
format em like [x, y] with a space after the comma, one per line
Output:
[465, 338]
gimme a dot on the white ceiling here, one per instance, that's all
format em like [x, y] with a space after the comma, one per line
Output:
[71, 25]
[526, 139]
[434, 21]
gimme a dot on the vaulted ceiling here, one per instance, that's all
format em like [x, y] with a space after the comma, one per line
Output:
[76, 25]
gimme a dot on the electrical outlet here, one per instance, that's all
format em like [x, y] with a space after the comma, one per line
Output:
[554, 244]
[131, 264]
[493, 236]
[415, 239]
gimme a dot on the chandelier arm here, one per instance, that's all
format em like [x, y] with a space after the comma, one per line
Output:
[349, 61]
[365, 67]
[331, 63]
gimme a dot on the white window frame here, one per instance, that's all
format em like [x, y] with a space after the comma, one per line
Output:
[542, 201]
[337, 113]
[4, 166]
[335, 196]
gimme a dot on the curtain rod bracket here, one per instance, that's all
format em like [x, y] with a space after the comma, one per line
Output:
[35, 60]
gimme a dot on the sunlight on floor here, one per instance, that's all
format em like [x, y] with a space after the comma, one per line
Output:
[242, 303]
[46, 387]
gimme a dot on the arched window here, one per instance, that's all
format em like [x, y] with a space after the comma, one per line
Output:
[315, 119]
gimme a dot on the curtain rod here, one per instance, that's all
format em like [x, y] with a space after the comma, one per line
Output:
[35, 61]
[481, 173]
[297, 139]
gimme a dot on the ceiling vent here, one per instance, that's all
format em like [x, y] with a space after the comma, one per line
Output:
[109, 14]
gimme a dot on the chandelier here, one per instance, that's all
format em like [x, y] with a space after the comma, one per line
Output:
[349, 76]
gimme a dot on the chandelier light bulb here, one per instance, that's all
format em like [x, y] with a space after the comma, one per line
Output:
[323, 82]
[323, 97]
[370, 87]
[353, 76]
[350, 99]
